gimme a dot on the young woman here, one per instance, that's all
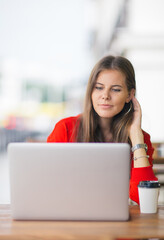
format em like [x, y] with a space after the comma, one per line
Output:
[111, 114]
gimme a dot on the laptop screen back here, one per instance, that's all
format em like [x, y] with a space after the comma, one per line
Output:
[69, 181]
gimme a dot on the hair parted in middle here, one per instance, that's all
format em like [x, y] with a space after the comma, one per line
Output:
[89, 129]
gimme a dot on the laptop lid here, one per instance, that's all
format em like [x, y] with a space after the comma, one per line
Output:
[69, 181]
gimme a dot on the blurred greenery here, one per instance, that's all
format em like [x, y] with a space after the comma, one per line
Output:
[42, 92]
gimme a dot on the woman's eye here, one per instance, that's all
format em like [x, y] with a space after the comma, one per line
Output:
[116, 90]
[99, 88]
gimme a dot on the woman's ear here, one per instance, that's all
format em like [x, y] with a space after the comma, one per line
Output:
[130, 95]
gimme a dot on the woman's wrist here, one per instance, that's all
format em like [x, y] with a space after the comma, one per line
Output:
[140, 156]
[137, 137]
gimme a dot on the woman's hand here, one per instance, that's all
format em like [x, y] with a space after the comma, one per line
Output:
[136, 136]
[135, 132]
[137, 115]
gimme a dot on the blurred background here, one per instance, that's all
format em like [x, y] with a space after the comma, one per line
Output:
[47, 51]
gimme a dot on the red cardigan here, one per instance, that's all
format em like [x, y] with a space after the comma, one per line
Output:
[64, 132]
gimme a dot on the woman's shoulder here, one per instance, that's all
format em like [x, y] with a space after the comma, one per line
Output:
[69, 120]
[63, 129]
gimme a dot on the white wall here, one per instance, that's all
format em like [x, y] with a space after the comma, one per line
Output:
[142, 42]
[145, 22]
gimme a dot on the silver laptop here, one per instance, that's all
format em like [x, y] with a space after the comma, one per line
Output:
[69, 181]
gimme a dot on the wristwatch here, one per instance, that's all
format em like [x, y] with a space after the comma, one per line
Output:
[137, 146]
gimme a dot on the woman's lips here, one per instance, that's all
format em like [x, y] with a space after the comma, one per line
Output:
[105, 106]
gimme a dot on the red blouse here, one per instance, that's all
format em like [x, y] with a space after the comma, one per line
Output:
[64, 132]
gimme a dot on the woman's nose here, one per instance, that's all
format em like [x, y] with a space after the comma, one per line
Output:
[106, 95]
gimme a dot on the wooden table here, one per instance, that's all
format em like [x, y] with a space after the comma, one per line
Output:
[139, 226]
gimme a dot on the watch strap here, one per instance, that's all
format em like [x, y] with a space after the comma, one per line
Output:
[140, 145]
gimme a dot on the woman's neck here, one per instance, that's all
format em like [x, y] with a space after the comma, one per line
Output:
[105, 125]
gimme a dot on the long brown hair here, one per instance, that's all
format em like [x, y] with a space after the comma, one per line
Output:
[89, 129]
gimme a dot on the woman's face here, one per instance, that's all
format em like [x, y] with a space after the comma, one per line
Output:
[110, 93]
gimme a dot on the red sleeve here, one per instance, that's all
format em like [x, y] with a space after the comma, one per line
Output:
[141, 174]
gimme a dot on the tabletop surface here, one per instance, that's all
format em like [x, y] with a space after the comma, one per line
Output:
[139, 226]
